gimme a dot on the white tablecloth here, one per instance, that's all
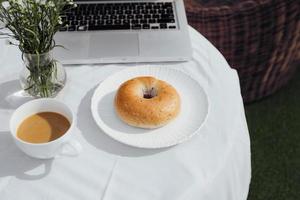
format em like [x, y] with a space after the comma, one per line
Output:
[213, 165]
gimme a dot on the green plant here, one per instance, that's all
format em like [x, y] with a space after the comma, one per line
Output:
[31, 25]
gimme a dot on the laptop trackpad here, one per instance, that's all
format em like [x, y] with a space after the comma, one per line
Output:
[113, 45]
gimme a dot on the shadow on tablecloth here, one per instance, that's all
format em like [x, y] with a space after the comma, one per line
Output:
[15, 163]
[12, 95]
[96, 137]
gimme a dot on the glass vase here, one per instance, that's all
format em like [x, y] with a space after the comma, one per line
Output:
[42, 76]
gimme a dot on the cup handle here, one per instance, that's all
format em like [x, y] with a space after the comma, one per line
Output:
[71, 148]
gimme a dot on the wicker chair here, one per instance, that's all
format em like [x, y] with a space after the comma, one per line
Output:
[259, 38]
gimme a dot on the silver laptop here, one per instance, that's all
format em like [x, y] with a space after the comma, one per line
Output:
[124, 31]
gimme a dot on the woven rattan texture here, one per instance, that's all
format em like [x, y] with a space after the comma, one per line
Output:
[259, 38]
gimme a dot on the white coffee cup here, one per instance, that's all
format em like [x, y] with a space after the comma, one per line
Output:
[63, 145]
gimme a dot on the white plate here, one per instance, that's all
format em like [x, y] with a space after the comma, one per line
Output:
[194, 109]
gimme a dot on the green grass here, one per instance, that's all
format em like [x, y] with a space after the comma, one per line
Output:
[274, 127]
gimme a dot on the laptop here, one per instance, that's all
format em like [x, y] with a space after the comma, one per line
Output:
[126, 31]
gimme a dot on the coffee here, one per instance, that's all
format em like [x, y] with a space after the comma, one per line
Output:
[43, 127]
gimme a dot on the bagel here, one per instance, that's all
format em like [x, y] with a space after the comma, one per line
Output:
[147, 102]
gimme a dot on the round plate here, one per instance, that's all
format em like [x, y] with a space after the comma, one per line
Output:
[194, 109]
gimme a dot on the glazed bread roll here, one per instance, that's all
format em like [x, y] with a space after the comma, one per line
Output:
[147, 102]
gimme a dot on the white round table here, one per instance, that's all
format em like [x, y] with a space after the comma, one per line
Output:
[212, 165]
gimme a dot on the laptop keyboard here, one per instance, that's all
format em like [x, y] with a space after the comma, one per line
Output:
[119, 16]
